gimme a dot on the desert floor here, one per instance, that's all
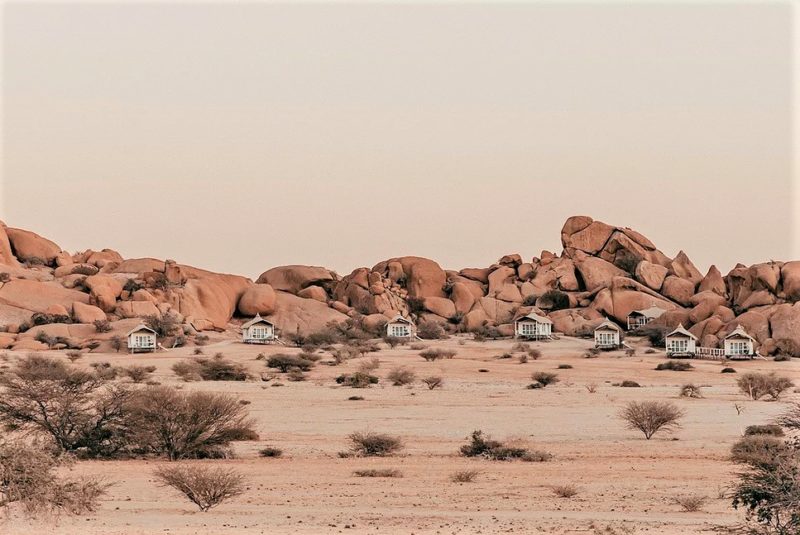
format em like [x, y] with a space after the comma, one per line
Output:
[627, 484]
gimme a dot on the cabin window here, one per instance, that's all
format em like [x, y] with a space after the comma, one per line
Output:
[399, 330]
[739, 348]
[680, 345]
[527, 328]
[606, 338]
[142, 340]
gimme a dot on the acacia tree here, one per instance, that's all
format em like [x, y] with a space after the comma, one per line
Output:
[649, 417]
[204, 486]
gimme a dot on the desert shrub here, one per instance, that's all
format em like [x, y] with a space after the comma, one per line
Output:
[204, 486]
[649, 417]
[430, 330]
[417, 346]
[675, 365]
[565, 491]
[75, 409]
[270, 451]
[164, 324]
[791, 418]
[481, 445]
[394, 341]
[416, 305]
[530, 300]
[523, 359]
[757, 450]
[357, 380]
[768, 429]
[656, 334]
[691, 390]
[627, 261]
[45, 339]
[401, 376]
[105, 371]
[437, 353]
[179, 341]
[40, 318]
[630, 384]
[185, 425]
[758, 385]
[691, 503]
[201, 339]
[73, 355]
[464, 476]
[522, 347]
[433, 382]
[137, 373]
[345, 353]
[630, 352]
[591, 388]
[369, 366]
[295, 375]
[217, 368]
[534, 354]
[132, 286]
[782, 358]
[369, 444]
[116, 342]
[28, 479]
[197, 351]
[378, 472]
[284, 362]
[728, 370]
[565, 366]
[505, 356]
[355, 398]
[102, 326]
[188, 370]
[545, 378]
[555, 300]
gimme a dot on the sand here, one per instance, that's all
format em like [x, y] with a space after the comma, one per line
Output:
[626, 484]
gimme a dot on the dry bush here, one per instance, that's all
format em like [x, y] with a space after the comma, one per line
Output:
[691, 390]
[164, 325]
[187, 370]
[116, 342]
[401, 376]
[345, 353]
[102, 326]
[591, 388]
[768, 429]
[504, 356]
[417, 347]
[182, 425]
[394, 341]
[630, 352]
[728, 370]
[204, 486]
[357, 380]
[523, 359]
[523, 347]
[104, 370]
[649, 417]
[565, 366]
[197, 351]
[481, 445]
[757, 450]
[565, 491]
[675, 365]
[464, 476]
[691, 503]
[28, 479]
[355, 398]
[378, 472]
[759, 385]
[201, 339]
[430, 330]
[544, 378]
[433, 382]
[217, 368]
[369, 366]
[74, 355]
[295, 375]
[534, 354]
[369, 444]
[629, 384]
[437, 353]
[791, 418]
[270, 451]
[137, 373]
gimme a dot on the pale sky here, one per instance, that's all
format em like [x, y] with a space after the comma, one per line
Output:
[241, 137]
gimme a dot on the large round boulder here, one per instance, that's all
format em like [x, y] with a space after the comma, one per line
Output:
[294, 278]
[28, 245]
[257, 299]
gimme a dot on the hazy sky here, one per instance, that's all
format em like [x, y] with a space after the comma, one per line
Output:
[240, 137]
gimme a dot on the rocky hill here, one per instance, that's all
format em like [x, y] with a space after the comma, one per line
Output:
[603, 271]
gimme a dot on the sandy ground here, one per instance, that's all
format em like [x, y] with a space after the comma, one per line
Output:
[627, 484]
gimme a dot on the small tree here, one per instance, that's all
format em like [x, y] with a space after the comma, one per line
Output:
[205, 487]
[369, 444]
[758, 385]
[401, 376]
[138, 373]
[116, 342]
[649, 417]
[545, 378]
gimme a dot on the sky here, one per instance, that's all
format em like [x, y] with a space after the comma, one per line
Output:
[238, 137]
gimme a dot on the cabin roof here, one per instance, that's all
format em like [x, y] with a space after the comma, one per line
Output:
[607, 325]
[681, 331]
[257, 319]
[533, 316]
[653, 312]
[400, 319]
[739, 332]
[139, 328]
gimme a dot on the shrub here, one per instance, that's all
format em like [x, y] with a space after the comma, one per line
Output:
[564, 366]
[206, 487]
[295, 375]
[369, 366]
[189, 425]
[369, 444]
[690, 390]
[201, 339]
[285, 362]
[728, 370]
[630, 352]
[545, 378]
[591, 388]
[270, 451]
[675, 365]
[116, 342]
[758, 385]
[187, 370]
[523, 359]
[758, 450]
[437, 353]
[132, 286]
[74, 355]
[417, 347]
[627, 261]
[357, 380]
[691, 503]
[137, 373]
[464, 476]
[565, 491]
[433, 382]
[394, 341]
[213, 369]
[5, 277]
[416, 305]
[481, 445]
[521, 347]
[530, 300]
[102, 326]
[629, 384]
[649, 417]
[378, 472]
[534, 354]
[28, 478]
[355, 398]
[401, 376]
[164, 324]
[656, 334]
[105, 371]
[430, 330]
[768, 429]
[504, 356]
[345, 353]
[555, 300]
[770, 495]
[40, 318]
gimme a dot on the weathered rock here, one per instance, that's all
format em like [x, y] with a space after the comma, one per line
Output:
[596, 272]
[105, 289]
[7, 340]
[374, 323]
[424, 277]
[708, 295]
[257, 299]
[83, 313]
[103, 258]
[713, 282]
[29, 344]
[462, 297]
[575, 321]
[441, 306]
[7, 258]
[497, 311]
[790, 277]
[475, 319]
[37, 296]
[651, 275]
[476, 274]
[754, 322]
[765, 276]
[758, 298]
[213, 298]
[589, 239]
[525, 271]
[29, 245]
[297, 315]
[294, 278]
[785, 325]
[318, 293]
[137, 309]
[510, 260]
[56, 309]
[682, 267]
[140, 265]
[678, 289]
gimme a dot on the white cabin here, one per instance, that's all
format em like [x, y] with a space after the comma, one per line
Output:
[400, 327]
[640, 318]
[533, 326]
[258, 331]
[607, 336]
[739, 344]
[681, 343]
[142, 339]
